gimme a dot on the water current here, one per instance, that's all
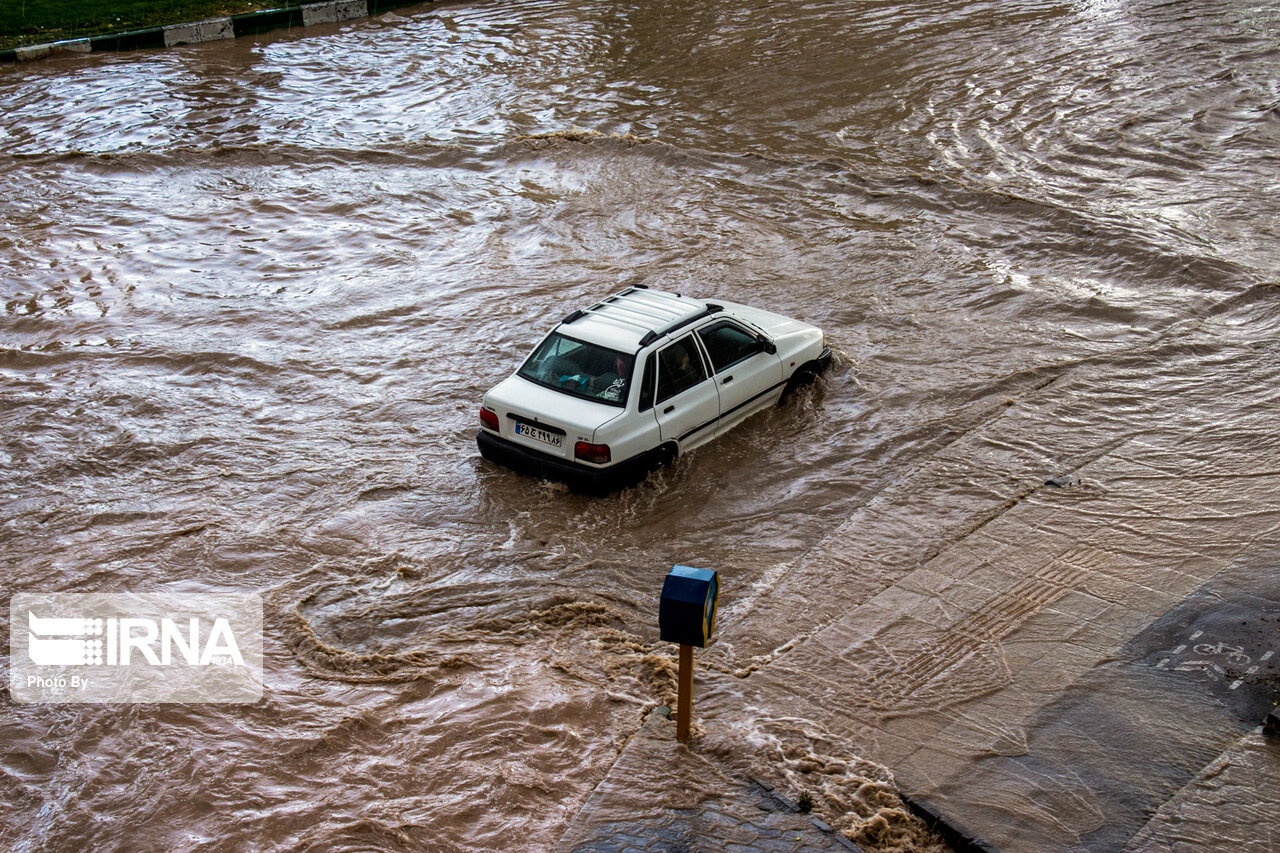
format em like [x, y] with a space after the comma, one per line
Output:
[253, 291]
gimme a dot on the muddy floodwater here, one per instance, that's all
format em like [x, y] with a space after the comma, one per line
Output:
[253, 291]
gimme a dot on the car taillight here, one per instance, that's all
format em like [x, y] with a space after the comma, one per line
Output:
[597, 454]
[489, 418]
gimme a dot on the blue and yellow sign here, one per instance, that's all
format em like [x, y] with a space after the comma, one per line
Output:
[687, 612]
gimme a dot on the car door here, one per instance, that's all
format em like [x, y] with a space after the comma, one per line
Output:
[748, 378]
[686, 403]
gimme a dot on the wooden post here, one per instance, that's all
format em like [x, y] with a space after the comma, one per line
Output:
[686, 617]
[684, 699]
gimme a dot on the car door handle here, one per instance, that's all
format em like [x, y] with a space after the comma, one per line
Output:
[726, 380]
[668, 410]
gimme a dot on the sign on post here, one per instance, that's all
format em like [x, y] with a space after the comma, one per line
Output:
[687, 616]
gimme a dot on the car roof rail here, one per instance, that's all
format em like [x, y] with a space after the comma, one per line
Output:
[650, 337]
[655, 312]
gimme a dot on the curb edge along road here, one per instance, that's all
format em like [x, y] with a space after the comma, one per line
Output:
[213, 29]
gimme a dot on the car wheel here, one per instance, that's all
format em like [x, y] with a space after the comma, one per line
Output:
[662, 457]
[804, 375]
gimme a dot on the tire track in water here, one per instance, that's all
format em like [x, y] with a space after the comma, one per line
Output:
[914, 685]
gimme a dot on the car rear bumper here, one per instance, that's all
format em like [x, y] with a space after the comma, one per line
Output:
[580, 478]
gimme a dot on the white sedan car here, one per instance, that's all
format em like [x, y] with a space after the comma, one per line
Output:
[627, 385]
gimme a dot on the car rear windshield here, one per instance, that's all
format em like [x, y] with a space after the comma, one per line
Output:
[581, 369]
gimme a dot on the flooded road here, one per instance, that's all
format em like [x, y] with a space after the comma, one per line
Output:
[253, 291]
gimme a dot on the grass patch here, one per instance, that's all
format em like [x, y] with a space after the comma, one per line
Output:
[24, 22]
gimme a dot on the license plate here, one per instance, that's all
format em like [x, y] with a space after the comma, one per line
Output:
[540, 435]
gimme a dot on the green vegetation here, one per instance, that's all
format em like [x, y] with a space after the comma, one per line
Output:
[24, 22]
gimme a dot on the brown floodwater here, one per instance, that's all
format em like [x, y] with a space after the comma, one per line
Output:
[253, 291]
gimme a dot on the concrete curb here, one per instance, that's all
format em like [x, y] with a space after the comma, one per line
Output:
[213, 29]
[958, 840]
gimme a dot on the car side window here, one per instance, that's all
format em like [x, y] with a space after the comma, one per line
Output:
[728, 344]
[680, 368]
[646, 384]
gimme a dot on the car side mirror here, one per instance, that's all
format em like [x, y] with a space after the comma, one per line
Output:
[768, 346]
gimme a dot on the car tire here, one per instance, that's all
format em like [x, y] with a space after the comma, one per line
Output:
[663, 457]
[805, 375]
